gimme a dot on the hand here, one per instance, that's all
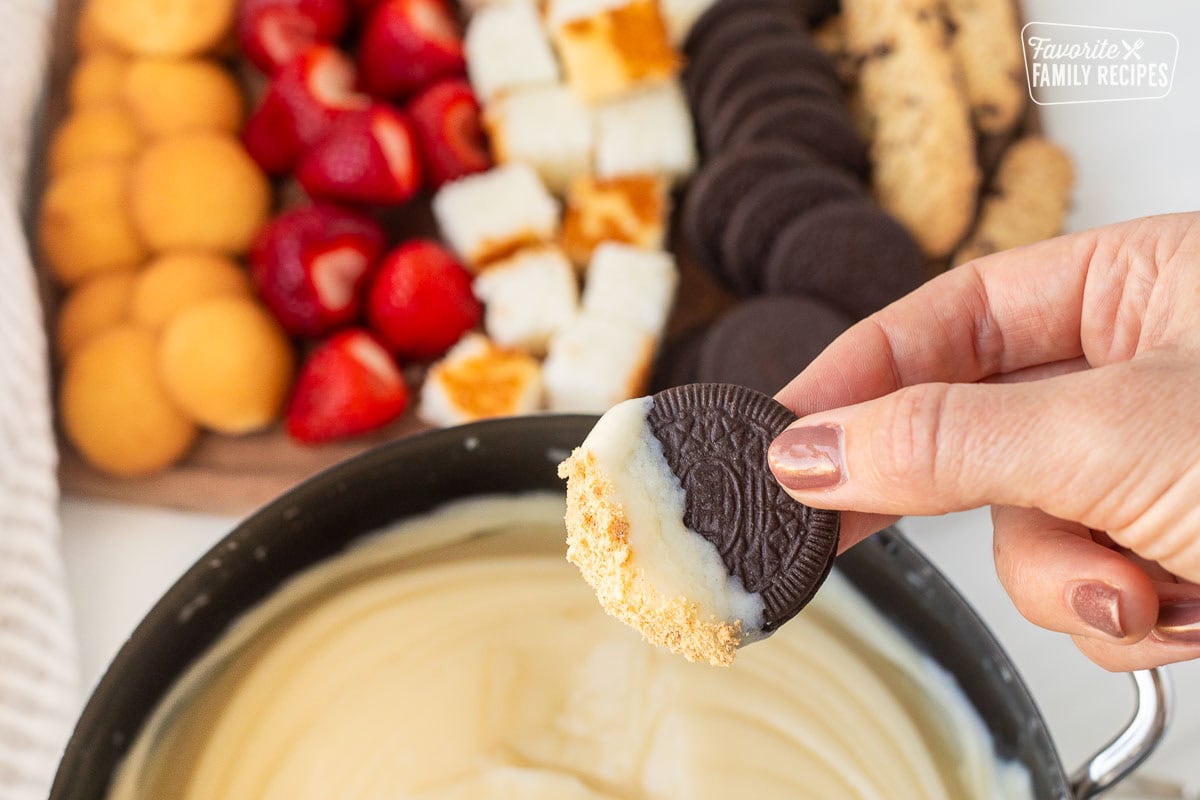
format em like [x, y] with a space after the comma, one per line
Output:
[1060, 383]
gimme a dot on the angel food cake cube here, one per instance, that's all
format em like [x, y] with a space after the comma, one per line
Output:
[631, 209]
[632, 285]
[507, 48]
[479, 380]
[547, 127]
[528, 297]
[649, 131]
[495, 213]
[608, 47]
[595, 363]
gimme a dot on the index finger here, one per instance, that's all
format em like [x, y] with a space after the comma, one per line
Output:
[997, 314]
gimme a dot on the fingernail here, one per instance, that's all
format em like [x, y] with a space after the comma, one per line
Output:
[808, 457]
[1098, 605]
[1179, 622]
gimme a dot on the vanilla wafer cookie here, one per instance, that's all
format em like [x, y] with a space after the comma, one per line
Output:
[1027, 201]
[986, 44]
[923, 146]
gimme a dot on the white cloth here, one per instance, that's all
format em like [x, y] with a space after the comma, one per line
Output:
[38, 674]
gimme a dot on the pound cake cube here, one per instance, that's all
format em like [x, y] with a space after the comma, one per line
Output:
[479, 380]
[547, 127]
[492, 214]
[608, 48]
[507, 48]
[649, 131]
[631, 209]
[595, 363]
[528, 297]
[633, 285]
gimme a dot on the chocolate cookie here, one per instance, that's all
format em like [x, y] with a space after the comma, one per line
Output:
[715, 439]
[764, 342]
[724, 102]
[851, 253]
[769, 206]
[720, 13]
[720, 186]
[759, 27]
[777, 54]
[821, 124]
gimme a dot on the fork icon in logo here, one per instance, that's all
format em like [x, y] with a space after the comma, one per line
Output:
[1132, 49]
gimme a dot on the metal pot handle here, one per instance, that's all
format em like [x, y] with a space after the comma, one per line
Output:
[1134, 744]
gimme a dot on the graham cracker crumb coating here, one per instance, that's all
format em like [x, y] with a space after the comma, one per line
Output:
[598, 544]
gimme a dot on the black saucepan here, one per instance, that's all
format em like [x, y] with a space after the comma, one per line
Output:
[324, 515]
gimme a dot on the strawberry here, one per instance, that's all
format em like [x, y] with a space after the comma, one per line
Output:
[420, 301]
[311, 263]
[348, 385]
[446, 119]
[366, 157]
[300, 104]
[407, 44]
[273, 32]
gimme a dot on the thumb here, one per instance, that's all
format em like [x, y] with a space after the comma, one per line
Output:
[1074, 446]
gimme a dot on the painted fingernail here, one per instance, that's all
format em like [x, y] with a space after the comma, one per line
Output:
[1179, 622]
[1098, 605]
[808, 457]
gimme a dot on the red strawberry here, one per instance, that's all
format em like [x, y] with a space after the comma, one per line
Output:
[300, 104]
[407, 44]
[446, 118]
[366, 157]
[273, 32]
[363, 8]
[420, 301]
[349, 385]
[311, 263]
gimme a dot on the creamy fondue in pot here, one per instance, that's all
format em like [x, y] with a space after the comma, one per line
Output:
[459, 656]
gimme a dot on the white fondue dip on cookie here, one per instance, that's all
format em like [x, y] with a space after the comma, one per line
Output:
[428, 664]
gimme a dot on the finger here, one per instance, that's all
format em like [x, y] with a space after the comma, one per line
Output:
[1051, 301]
[1147, 653]
[936, 448]
[856, 527]
[1058, 578]
[1041, 372]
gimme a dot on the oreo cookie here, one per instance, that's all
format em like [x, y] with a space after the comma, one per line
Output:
[770, 205]
[764, 342]
[852, 254]
[755, 29]
[820, 124]
[776, 56]
[719, 187]
[725, 102]
[720, 13]
[715, 439]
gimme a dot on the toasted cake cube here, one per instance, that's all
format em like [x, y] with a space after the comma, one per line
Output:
[547, 127]
[595, 363]
[631, 284]
[528, 297]
[492, 214]
[479, 380]
[649, 131]
[507, 48]
[631, 209]
[680, 16]
[608, 48]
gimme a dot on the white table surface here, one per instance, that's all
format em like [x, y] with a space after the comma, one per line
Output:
[1132, 159]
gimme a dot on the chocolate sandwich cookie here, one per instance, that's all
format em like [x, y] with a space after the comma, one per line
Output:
[674, 518]
[822, 124]
[755, 29]
[722, 12]
[724, 102]
[676, 363]
[769, 206]
[719, 187]
[764, 342]
[774, 55]
[852, 254]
